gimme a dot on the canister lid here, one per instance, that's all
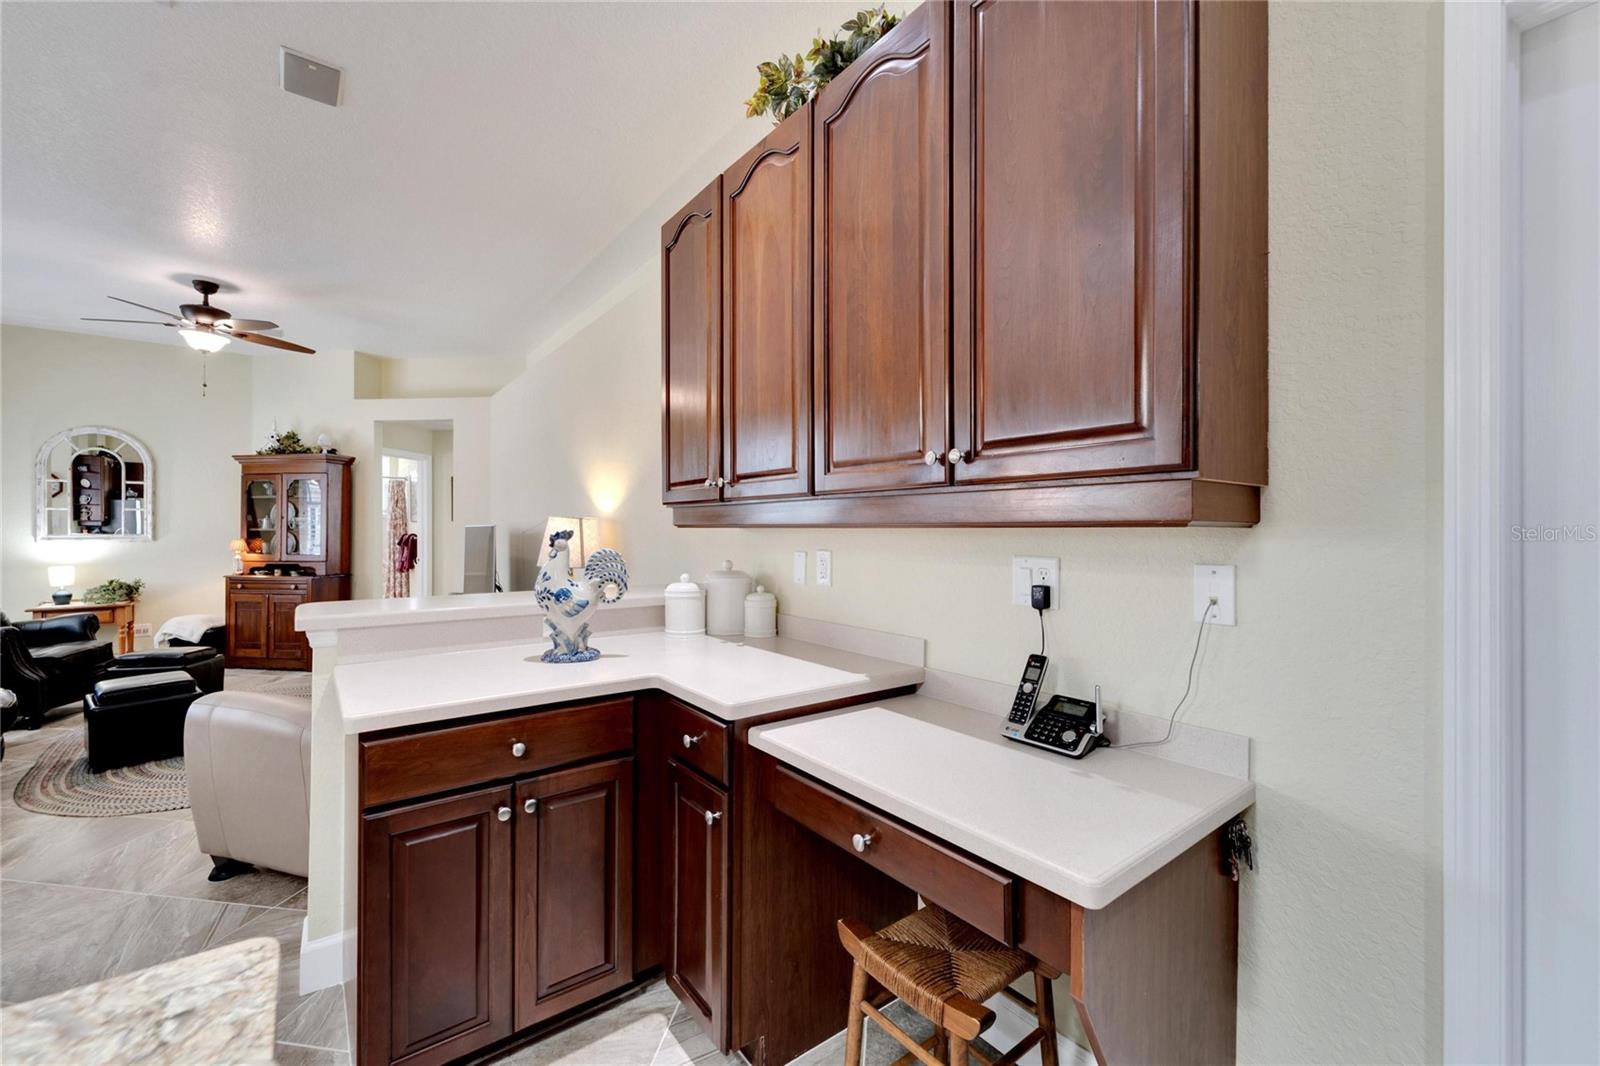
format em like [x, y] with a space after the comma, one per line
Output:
[761, 595]
[684, 588]
[726, 573]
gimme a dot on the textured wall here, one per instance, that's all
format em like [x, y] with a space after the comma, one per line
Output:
[1333, 669]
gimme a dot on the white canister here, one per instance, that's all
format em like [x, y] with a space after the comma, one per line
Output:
[726, 589]
[761, 613]
[686, 608]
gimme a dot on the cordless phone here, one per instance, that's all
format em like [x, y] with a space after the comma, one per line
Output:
[1069, 725]
[1027, 694]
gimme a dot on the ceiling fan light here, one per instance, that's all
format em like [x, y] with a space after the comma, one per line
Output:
[203, 340]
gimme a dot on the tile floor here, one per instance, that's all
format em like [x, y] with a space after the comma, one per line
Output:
[82, 899]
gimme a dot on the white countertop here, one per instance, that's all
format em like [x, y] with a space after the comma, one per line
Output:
[325, 615]
[731, 679]
[1085, 829]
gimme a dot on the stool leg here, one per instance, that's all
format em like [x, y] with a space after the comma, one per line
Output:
[1045, 1005]
[958, 1050]
[852, 1028]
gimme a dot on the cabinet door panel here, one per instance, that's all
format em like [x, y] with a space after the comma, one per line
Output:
[283, 640]
[435, 971]
[698, 965]
[766, 308]
[691, 348]
[881, 213]
[248, 623]
[305, 517]
[574, 877]
[1071, 339]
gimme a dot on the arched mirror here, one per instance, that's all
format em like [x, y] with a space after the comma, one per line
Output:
[93, 482]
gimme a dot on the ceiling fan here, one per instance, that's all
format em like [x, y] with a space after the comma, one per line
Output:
[209, 329]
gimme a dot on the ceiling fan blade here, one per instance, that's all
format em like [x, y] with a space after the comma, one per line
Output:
[273, 342]
[135, 321]
[145, 307]
[252, 325]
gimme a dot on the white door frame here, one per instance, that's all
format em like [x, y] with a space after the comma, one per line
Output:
[1483, 939]
[424, 521]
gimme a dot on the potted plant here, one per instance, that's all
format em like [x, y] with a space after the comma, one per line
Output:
[115, 590]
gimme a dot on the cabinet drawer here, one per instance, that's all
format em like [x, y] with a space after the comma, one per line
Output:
[979, 894]
[419, 764]
[696, 739]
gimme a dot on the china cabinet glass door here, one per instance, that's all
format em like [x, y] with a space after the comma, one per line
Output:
[305, 525]
[262, 517]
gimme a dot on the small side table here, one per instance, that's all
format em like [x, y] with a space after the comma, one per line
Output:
[119, 614]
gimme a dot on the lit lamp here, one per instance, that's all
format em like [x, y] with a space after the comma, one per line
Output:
[61, 579]
[585, 537]
[203, 339]
[238, 547]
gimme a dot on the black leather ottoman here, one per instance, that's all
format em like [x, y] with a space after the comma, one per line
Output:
[138, 718]
[202, 663]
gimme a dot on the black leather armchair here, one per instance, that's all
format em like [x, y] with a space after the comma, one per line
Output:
[48, 663]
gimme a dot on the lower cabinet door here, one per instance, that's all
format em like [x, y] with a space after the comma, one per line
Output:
[248, 622]
[697, 968]
[574, 887]
[285, 643]
[435, 950]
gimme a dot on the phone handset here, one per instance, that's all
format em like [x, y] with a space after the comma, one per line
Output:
[1028, 690]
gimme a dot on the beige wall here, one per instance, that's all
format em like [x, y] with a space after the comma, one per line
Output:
[1333, 667]
[54, 381]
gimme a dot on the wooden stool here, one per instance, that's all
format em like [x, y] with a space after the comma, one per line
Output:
[943, 969]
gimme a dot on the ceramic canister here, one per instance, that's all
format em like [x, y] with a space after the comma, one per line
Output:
[761, 613]
[686, 608]
[726, 589]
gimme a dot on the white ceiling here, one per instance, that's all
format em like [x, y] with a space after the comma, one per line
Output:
[483, 153]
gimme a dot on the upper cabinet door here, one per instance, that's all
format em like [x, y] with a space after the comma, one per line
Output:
[766, 315]
[882, 288]
[1072, 164]
[691, 349]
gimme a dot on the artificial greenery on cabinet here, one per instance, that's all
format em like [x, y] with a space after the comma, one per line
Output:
[785, 85]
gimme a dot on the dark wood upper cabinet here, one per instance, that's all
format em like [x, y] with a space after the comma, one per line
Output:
[1071, 214]
[691, 348]
[766, 315]
[882, 284]
[436, 919]
[574, 887]
[697, 967]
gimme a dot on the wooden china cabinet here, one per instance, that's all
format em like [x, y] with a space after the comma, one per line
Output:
[294, 515]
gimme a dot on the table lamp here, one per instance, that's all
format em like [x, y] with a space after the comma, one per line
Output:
[61, 579]
[585, 537]
[238, 547]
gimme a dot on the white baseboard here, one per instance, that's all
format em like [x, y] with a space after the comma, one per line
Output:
[327, 960]
[1012, 1023]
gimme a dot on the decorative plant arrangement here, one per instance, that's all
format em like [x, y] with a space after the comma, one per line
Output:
[114, 590]
[289, 443]
[786, 85]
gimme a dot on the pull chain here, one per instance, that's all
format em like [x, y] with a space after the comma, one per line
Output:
[202, 375]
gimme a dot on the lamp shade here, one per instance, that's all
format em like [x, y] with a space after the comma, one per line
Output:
[61, 577]
[203, 340]
[585, 536]
[238, 547]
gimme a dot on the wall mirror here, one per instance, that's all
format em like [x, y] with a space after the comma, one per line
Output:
[93, 482]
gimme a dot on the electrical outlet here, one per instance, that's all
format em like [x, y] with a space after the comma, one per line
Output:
[1030, 570]
[1214, 582]
[824, 567]
[799, 568]
[141, 629]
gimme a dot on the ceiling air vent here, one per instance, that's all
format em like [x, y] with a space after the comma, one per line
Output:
[310, 78]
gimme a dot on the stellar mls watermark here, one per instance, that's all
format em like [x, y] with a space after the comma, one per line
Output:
[1569, 534]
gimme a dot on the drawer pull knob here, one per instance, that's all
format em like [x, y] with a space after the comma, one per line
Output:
[504, 814]
[690, 742]
[712, 816]
[861, 841]
[519, 749]
[530, 805]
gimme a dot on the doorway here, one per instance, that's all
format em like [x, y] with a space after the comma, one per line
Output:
[414, 496]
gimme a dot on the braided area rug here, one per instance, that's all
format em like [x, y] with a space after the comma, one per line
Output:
[60, 782]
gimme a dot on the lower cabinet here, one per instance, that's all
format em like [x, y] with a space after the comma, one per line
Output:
[574, 888]
[697, 967]
[435, 939]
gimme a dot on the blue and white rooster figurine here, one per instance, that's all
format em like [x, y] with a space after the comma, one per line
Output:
[568, 602]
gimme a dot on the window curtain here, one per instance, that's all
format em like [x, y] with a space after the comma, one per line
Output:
[396, 581]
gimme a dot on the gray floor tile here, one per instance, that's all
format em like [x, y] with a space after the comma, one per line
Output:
[296, 1055]
[626, 1034]
[43, 847]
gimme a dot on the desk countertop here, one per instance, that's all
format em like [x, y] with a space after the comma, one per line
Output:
[1087, 829]
[730, 679]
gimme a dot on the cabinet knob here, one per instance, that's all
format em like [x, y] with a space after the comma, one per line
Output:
[519, 749]
[712, 816]
[721, 481]
[931, 457]
[956, 456]
[530, 805]
[690, 742]
[504, 814]
[711, 482]
[861, 841]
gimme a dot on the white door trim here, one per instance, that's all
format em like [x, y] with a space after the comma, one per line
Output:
[1482, 653]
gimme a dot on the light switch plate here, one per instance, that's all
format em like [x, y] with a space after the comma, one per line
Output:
[799, 568]
[1212, 580]
[1030, 570]
[824, 567]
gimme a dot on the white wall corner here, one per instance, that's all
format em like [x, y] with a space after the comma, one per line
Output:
[327, 960]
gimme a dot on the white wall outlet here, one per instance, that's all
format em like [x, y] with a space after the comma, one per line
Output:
[824, 567]
[799, 568]
[141, 629]
[1030, 570]
[1213, 581]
